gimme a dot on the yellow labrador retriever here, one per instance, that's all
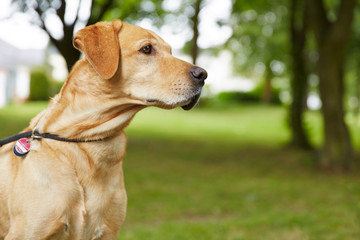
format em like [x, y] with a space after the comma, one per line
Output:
[75, 190]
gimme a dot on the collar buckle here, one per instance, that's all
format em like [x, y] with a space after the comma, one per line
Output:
[35, 134]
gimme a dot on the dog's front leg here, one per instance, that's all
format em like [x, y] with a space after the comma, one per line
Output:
[105, 233]
[44, 197]
[60, 232]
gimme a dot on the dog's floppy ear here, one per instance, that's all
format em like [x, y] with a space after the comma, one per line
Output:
[100, 44]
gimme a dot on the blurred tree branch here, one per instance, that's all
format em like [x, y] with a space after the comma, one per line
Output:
[63, 44]
[41, 9]
[195, 29]
[103, 9]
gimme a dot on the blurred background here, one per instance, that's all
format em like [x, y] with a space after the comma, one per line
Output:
[272, 149]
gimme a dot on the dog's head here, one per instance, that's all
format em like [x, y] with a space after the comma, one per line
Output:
[141, 63]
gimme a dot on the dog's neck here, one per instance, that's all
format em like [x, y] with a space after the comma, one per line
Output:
[87, 109]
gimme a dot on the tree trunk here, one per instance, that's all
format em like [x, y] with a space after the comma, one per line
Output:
[337, 150]
[195, 21]
[299, 75]
[70, 55]
[66, 48]
[267, 92]
[357, 91]
[332, 39]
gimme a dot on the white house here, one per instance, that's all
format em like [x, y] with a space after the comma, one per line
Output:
[21, 46]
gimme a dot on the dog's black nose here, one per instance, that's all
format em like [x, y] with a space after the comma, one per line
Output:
[198, 75]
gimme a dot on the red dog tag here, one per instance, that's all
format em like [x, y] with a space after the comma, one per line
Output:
[22, 147]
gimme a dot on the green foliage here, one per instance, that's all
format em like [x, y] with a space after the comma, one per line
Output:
[39, 86]
[42, 87]
[238, 97]
[133, 10]
[241, 97]
[260, 33]
[187, 48]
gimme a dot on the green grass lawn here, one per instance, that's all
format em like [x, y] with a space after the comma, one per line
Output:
[225, 174]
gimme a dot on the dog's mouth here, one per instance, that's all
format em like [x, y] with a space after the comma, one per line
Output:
[186, 105]
[192, 103]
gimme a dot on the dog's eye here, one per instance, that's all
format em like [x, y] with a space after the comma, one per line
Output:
[147, 49]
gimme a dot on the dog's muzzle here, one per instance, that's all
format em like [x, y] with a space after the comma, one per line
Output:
[198, 75]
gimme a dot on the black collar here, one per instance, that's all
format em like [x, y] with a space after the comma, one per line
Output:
[36, 135]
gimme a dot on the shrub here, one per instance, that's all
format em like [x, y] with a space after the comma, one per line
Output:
[42, 87]
[253, 96]
[238, 97]
[39, 86]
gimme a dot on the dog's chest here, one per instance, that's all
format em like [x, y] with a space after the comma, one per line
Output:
[104, 204]
[103, 197]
